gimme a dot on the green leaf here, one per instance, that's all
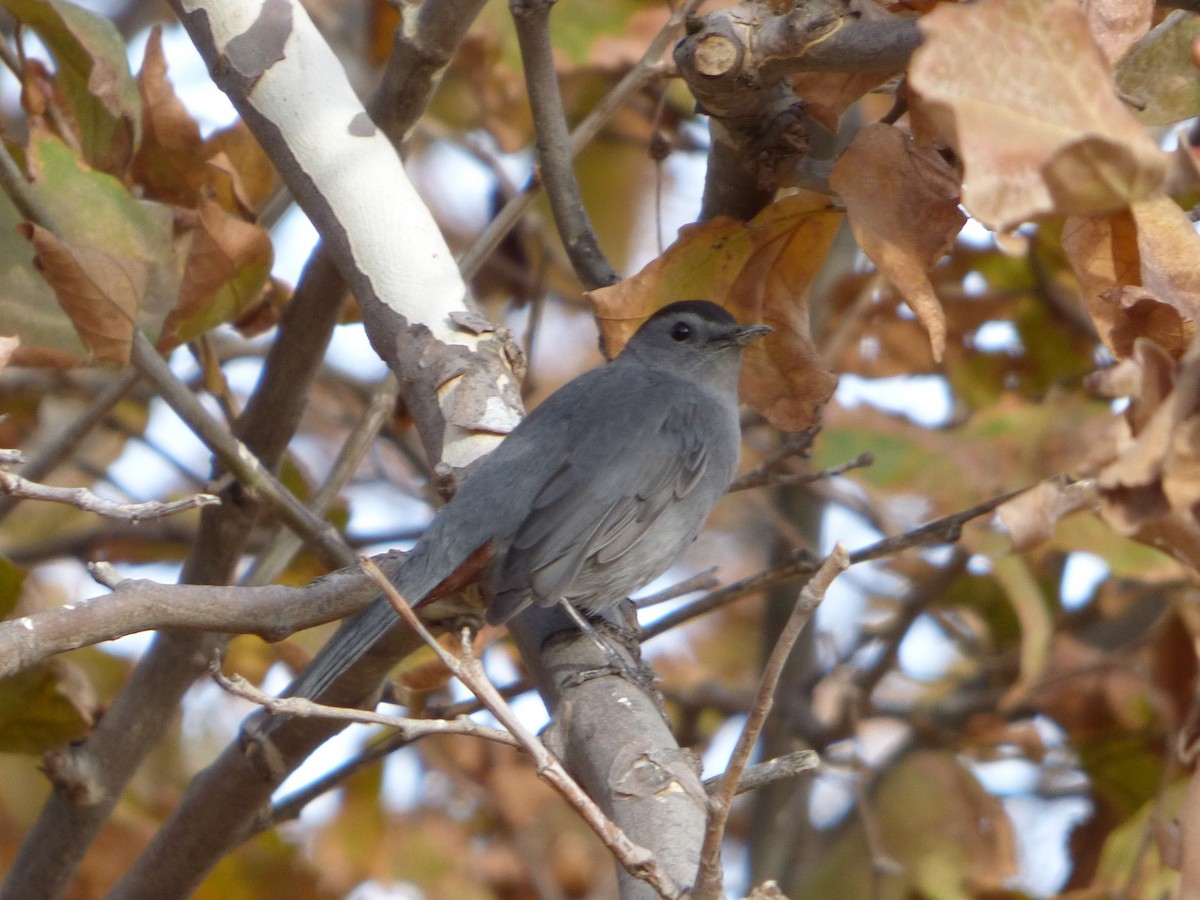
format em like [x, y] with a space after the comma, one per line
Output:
[91, 209]
[93, 71]
[1159, 73]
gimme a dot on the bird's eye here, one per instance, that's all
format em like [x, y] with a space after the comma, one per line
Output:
[681, 331]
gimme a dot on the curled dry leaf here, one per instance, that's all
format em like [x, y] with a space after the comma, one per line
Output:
[902, 200]
[99, 292]
[228, 263]
[1031, 516]
[761, 271]
[1139, 273]
[827, 95]
[1151, 490]
[1055, 140]
[93, 73]
[167, 163]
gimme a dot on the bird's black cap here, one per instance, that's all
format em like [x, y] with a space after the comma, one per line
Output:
[705, 309]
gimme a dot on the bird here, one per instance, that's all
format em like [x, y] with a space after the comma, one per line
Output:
[593, 495]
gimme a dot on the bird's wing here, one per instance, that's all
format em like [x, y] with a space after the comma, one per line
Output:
[602, 498]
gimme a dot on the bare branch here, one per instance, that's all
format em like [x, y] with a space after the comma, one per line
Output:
[423, 47]
[647, 68]
[407, 728]
[243, 463]
[709, 881]
[946, 530]
[22, 489]
[532, 19]
[271, 612]
[638, 861]
[701, 581]
[764, 773]
[758, 478]
[68, 439]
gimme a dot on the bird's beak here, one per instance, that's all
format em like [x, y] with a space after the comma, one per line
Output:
[744, 334]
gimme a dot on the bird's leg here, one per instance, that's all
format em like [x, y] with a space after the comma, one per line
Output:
[637, 672]
[614, 658]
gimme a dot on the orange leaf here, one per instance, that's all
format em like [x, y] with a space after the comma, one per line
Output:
[1052, 139]
[902, 201]
[99, 292]
[761, 271]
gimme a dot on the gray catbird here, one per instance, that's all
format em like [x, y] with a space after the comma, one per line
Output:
[593, 494]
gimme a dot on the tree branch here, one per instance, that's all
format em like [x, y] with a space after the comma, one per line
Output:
[709, 882]
[22, 489]
[635, 79]
[272, 612]
[638, 861]
[406, 729]
[532, 19]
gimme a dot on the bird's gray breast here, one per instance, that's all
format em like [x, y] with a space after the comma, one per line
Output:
[647, 457]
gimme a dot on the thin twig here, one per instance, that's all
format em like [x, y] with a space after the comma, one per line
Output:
[787, 766]
[274, 559]
[638, 861]
[23, 489]
[709, 880]
[411, 729]
[758, 478]
[946, 530]
[701, 581]
[50, 454]
[288, 808]
[234, 454]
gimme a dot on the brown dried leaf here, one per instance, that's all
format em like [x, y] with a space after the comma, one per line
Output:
[1103, 252]
[1117, 24]
[1170, 254]
[1139, 272]
[1031, 516]
[236, 155]
[228, 264]
[1056, 139]
[169, 163]
[761, 271]
[1142, 316]
[827, 95]
[1150, 492]
[99, 292]
[902, 201]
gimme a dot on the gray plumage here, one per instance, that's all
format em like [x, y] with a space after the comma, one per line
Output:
[595, 492]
